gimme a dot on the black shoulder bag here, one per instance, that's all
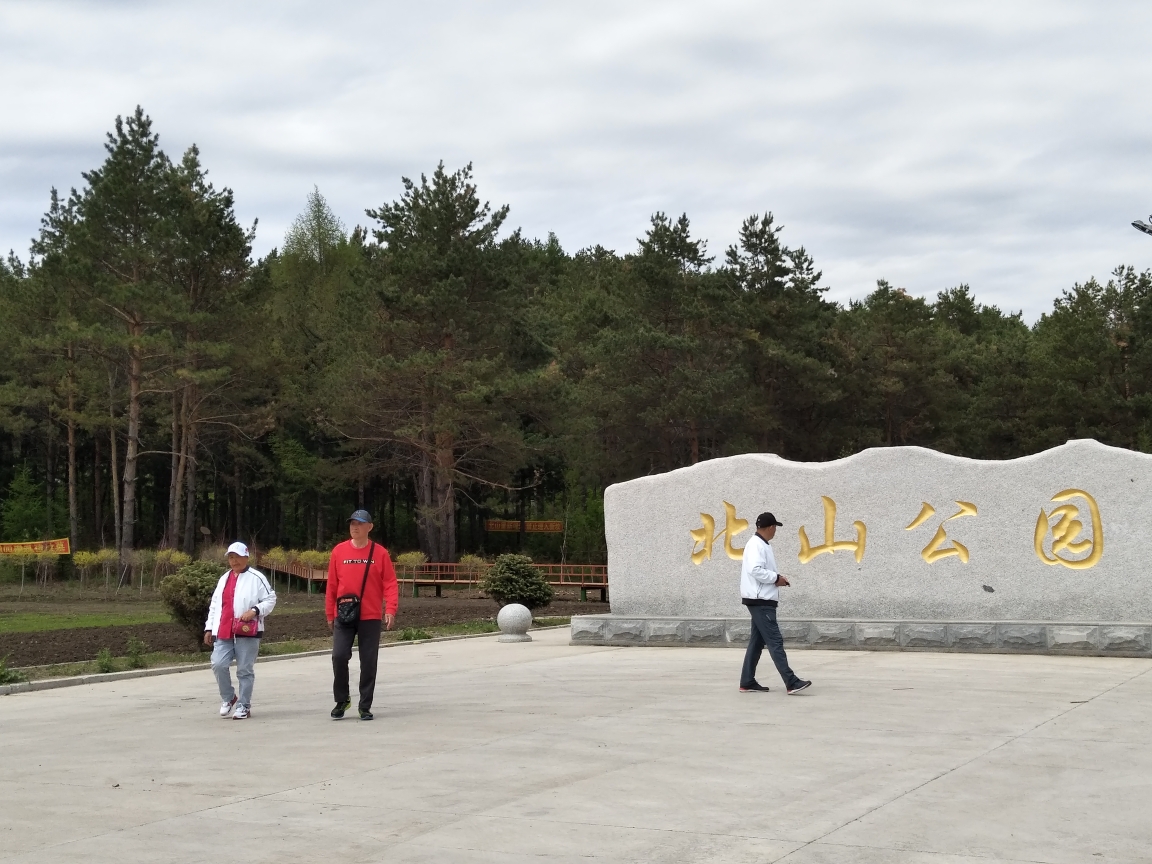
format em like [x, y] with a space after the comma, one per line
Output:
[348, 605]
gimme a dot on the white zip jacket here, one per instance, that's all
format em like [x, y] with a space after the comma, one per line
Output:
[758, 571]
[252, 592]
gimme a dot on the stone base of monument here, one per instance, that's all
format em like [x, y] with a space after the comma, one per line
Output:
[995, 637]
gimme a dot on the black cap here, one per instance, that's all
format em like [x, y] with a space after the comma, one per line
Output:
[360, 516]
[766, 519]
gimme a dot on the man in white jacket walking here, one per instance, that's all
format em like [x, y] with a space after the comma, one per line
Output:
[760, 584]
[242, 596]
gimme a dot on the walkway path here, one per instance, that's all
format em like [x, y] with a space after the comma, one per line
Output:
[542, 752]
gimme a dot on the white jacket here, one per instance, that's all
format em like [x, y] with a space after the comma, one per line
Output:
[758, 571]
[252, 592]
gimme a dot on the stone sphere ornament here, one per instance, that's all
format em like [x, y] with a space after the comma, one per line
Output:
[514, 621]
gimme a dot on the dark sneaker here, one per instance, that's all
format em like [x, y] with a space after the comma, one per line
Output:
[341, 707]
[753, 688]
[800, 684]
[365, 715]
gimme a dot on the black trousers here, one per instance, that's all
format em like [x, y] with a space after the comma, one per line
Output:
[367, 635]
[765, 634]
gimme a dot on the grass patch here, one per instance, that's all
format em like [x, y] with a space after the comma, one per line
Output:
[412, 634]
[35, 622]
[114, 664]
[10, 676]
[550, 622]
[466, 627]
[432, 631]
[140, 658]
[294, 646]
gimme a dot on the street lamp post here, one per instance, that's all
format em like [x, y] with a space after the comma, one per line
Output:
[1141, 225]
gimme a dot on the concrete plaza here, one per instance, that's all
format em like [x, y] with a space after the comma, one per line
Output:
[483, 751]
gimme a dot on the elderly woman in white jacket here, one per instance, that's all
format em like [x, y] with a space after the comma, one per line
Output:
[242, 596]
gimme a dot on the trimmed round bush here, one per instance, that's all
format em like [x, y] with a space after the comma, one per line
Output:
[513, 579]
[188, 593]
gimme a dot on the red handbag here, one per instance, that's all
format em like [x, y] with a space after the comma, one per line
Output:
[249, 629]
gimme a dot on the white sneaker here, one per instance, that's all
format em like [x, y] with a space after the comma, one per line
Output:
[242, 713]
[226, 706]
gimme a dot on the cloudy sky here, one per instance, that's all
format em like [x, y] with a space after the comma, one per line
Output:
[1001, 144]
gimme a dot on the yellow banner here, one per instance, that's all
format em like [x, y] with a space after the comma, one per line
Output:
[60, 547]
[531, 526]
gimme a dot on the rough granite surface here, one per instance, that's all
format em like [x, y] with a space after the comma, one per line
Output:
[650, 548]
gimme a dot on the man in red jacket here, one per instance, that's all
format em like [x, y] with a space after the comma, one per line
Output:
[379, 596]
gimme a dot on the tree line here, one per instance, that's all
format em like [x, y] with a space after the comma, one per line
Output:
[159, 386]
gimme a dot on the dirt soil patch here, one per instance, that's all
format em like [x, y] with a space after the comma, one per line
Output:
[83, 643]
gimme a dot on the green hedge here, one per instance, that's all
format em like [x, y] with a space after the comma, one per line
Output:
[513, 579]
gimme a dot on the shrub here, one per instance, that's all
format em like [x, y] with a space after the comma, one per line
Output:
[10, 676]
[215, 554]
[84, 562]
[107, 559]
[46, 567]
[411, 559]
[104, 661]
[136, 651]
[473, 566]
[188, 593]
[314, 559]
[513, 579]
[277, 558]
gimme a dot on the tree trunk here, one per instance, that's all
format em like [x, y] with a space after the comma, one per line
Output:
[174, 461]
[319, 520]
[436, 503]
[190, 444]
[135, 372]
[239, 528]
[73, 503]
[50, 479]
[181, 470]
[97, 493]
[117, 523]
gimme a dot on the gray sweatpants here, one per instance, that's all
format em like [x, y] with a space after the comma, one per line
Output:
[244, 649]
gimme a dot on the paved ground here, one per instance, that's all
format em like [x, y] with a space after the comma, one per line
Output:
[543, 752]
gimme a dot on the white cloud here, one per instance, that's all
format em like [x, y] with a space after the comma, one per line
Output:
[1003, 145]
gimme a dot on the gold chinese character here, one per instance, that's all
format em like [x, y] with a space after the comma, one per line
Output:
[704, 537]
[1067, 529]
[934, 551]
[808, 551]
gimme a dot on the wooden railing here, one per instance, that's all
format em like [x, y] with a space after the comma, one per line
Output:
[582, 576]
[592, 575]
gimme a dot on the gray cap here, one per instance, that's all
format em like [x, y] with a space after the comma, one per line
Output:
[360, 516]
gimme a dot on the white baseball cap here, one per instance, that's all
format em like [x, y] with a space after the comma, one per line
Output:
[238, 548]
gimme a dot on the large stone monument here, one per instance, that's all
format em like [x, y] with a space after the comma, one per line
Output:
[897, 547]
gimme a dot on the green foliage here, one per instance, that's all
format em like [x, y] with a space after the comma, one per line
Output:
[23, 513]
[513, 579]
[314, 558]
[473, 566]
[216, 555]
[411, 559]
[10, 676]
[136, 651]
[439, 369]
[411, 634]
[187, 594]
[104, 661]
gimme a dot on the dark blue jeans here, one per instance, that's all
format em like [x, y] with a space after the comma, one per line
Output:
[766, 633]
